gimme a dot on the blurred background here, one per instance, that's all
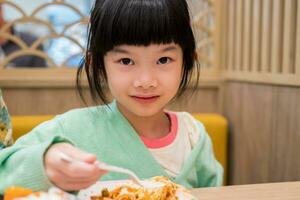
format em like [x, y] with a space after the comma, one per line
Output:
[62, 24]
[249, 52]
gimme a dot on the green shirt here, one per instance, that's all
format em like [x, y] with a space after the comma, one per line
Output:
[5, 125]
[105, 132]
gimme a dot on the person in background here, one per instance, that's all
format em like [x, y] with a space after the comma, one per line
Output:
[5, 125]
[144, 52]
[7, 47]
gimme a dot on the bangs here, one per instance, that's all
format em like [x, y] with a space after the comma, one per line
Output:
[140, 22]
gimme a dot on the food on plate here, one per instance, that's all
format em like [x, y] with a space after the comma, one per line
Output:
[156, 188]
[16, 192]
[20, 193]
[166, 191]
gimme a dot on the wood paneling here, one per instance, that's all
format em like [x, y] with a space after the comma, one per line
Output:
[265, 47]
[276, 48]
[247, 45]
[39, 101]
[285, 140]
[231, 34]
[239, 34]
[203, 100]
[256, 113]
[265, 34]
[289, 36]
[264, 132]
[297, 54]
[232, 110]
[256, 36]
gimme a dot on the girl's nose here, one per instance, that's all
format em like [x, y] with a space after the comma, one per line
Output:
[145, 80]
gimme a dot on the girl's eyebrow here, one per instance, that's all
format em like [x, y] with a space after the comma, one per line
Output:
[119, 50]
[170, 48]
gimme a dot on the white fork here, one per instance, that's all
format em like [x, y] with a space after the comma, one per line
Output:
[107, 167]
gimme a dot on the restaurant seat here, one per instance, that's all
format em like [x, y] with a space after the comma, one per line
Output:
[25, 123]
[215, 124]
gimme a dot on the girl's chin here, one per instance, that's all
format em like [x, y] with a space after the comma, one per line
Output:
[141, 109]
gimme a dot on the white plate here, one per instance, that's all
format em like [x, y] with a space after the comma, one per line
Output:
[110, 185]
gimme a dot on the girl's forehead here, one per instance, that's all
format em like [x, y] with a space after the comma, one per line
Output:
[160, 47]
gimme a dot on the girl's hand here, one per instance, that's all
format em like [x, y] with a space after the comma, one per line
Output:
[71, 176]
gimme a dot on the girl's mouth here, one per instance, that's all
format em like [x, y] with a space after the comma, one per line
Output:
[145, 100]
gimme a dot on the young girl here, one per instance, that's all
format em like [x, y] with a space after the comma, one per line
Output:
[144, 52]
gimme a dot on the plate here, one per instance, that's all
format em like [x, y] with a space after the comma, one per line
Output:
[96, 189]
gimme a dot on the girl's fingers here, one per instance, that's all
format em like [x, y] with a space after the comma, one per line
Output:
[80, 171]
[73, 186]
[78, 154]
[64, 181]
[75, 153]
[68, 180]
[67, 183]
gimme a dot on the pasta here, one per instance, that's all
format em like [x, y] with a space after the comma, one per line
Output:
[168, 191]
[156, 188]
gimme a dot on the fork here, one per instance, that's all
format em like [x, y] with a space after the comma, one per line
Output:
[107, 167]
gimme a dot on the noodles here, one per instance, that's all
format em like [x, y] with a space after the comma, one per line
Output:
[156, 188]
[168, 191]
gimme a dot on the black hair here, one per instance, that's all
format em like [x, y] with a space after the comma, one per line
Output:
[135, 22]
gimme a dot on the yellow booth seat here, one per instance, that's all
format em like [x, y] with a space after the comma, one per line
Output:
[215, 124]
[23, 124]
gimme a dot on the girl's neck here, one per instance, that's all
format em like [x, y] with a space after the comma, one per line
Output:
[152, 127]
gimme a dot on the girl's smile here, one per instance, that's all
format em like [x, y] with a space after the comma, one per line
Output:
[146, 99]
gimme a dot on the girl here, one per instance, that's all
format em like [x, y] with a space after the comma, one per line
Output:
[144, 52]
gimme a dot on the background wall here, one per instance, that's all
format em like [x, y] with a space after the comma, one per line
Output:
[261, 66]
[264, 132]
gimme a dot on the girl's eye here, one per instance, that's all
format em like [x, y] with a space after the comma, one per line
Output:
[164, 60]
[126, 61]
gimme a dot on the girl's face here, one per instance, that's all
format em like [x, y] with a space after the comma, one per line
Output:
[144, 79]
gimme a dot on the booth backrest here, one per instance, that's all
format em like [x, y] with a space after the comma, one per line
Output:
[23, 124]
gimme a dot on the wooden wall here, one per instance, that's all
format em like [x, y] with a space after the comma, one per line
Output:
[261, 41]
[264, 132]
[40, 101]
[260, 63]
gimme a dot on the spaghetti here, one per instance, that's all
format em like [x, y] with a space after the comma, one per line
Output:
[168, 191]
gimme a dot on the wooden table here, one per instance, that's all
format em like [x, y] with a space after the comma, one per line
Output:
[269, 191]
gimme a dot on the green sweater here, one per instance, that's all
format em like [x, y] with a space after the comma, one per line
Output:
[105, 132]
